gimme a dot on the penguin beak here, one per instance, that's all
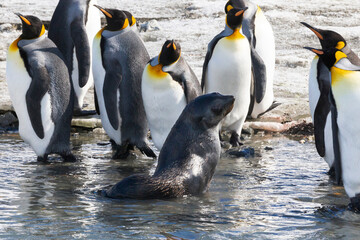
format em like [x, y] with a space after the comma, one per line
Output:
[23, 19]
[172, 43]
[103, 11]
[316, 51]
[241, 12]
[315, 30]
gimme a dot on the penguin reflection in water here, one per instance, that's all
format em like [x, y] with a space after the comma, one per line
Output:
[344, 101]
[40, 90]
[227, 70]
[119, 58]
[72, 28]
[319, 88]
[188, 158]
[168, 84]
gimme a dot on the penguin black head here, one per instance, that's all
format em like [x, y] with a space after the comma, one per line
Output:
[329, 56]
[32, 27]
[130, 17]
[234, 4]
[170, 53]
[328, 39]
[234, 18]
[116, 19]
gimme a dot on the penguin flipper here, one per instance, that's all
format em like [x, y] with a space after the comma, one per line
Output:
[209, 53]
[37, 90]
[336, 145]
[96, 103]
[110, 93]
[259, 73]
[82, 47]
[320, 115]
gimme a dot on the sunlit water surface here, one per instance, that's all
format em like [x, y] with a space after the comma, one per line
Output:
[283, 193]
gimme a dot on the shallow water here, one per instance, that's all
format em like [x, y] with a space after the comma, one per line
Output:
[282, 194]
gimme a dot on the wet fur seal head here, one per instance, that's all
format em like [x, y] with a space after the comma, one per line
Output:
[189, 156]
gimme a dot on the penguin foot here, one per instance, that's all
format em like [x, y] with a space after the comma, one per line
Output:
[235, 140]
[42, 159]
[69, 157]
[331, 173]
[122, 152]
[147, 151]
[355, 204]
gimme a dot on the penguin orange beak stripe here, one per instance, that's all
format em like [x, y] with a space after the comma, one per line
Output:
[313, 29]
[239, 13]
[174, 47]
[23, 19]
[104, 11]
[317, 51]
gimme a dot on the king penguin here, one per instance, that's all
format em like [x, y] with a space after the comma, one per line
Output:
[344, 99]
[40, 90]
[119, 59]
[168, 84]
[259, 32]
[73, 26]
[227, 70]
[319, 88]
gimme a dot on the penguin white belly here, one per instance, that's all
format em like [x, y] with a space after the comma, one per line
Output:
[19, 81]
[99, 76]
[164, 101]
[92, 27]
[314, 92]
[347, 93]
[265, 47]
[229, 72]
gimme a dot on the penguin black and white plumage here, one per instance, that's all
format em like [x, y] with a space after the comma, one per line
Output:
[345, 107]
[227, 70]
[168, 84]
[73, 26]
[259, 32]
[119, 59]
[40, 90]
[319, 88]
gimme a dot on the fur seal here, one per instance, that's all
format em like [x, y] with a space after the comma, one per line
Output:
[189, 156]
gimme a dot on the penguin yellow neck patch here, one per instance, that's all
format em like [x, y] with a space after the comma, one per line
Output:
[14, 46]
[339, 55]
[156, 71]
[236, 35]
[98, 35]
[42, 31]
[344, 81]
[125, 25]
[133, 21]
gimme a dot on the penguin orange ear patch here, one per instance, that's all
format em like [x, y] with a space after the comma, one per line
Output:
[229, 7]
[340, 45]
